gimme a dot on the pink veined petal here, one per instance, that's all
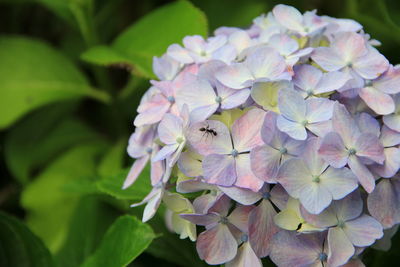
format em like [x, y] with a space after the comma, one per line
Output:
[315, 198]
[135, 170]
[262, 228]
[214, 43]
[202, 219]
[235, 99]
[219, 169]
[294, 176]
[339, 182]
[289, 17]
[368, 124]
[190, 164]
[371, 65]
[203, 203]
[195, 43]
[389, 137]
[312, 159]
[207, 71]
[235, 76]
[265, 162]
[157, 172]
[206, 143]
[283, 43]
[292, 59]
[320, 129]
[389, 82]
[392, 121]
[221, 205]
[328, 59]
[350, 46]
[165, 152]
[179, 54]
[153, 200]
[151, 115]
[369, 146]
[241, 195]
[240, 39]
[216, 245]
[265, 62]
[175, 155]
[350, 207]
[292, 105]
[245, 257]
[239, 217]
[245, 176]
[307, 77]
[246, 131]
[333, 151]
[293, 129]
[193, 185]
[279, 196]
[319, 109]
[165, 68]
[325, 219]
[331, 81]
[291, 249]
[268, 129]
[344, 124]
[340, 247]
[363, 231]
[378, 101]
[391, 164]
[196, 93]
[389, 213]
[170, 128]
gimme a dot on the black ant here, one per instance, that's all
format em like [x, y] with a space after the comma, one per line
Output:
[208, 131]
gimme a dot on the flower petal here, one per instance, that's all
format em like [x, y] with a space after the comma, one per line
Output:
[339, 182]
[135, 170]
[241, 195]
[245, 176]
[219, 169]
[235, 99]
[265, 162]
[170, 128]
[289, 17]
[328, 59]
[364, 176]
[265, 62]
[369, 146]
[266, 93]
[340, 247]
[363, 231]
[294, 176]
[294, 129]
[345, 125]
[372, 65]
[245, 257]
[292, 105]
[378, 101]
[319, 109]
[391, 165]
[236, 76]
[333, 151]
[246, 131]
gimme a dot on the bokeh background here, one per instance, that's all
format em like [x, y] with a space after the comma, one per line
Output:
[67, 103]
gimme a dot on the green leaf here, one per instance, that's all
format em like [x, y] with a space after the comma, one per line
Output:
[112, 162]
[113, 185]
[40, 137]
[49, 207]
[151, 36]
[126, 239]
[34, 74]
[89, 222]
[19, 246]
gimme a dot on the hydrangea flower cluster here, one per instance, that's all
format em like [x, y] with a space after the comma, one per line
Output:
[279, 140]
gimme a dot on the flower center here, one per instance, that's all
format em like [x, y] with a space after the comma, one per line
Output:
[316, 179]
[266, 195]
[352, 151]
[244, 238]
[368, 83]
[180, 139]
[149, 150]
[322, 256]
[283, 150]
[234, 153]
[171, 99]
[310, 92]
[223, 220]
[218, 99]
[340, 224]
[304, 123]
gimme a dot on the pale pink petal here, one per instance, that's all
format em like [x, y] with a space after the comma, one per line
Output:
[328, 59]
[319, 109]
[320, 129]
[372, 65]
[221, 205]
[195, 43]
[389, 213]
[389, 81]
[170, 128]
[193, 185]
[312, 159]
[369, 146]
[262, 228]
[152, 115]
[245, 176]
[333, 151]
[294, 176]
[245, 257]
[339, 182]
[325, 219]
[219, 169]
[246, 131]
[350, 46]
[190, 164]
[391, 164]
[216, 245]
[202, 219]
[291, 249]
[340, 248]
[289, 17]
[179, 54]
[332, 81]
[283, 43]
[392, 121]
[315, 198]
[236, 76]
[239, 217]
[307, 77]
[202, 113]
[195, 93]
[265, 162]
[368, 124]
[214, 43]
[292, 105]
[363, 231]
[135, 170]
[349, 207]
[157, 172]
[344, 124]
[389, 137]
[279, 196]
[165, 152]
[378, 101]
[206, 143]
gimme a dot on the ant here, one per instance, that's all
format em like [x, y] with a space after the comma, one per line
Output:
[208, 131]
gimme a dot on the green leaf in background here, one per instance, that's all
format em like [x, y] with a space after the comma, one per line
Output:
[123, 242]
[33, 74]
[90, 221]
[49, 207]
[40, 137]
[113, 161]
[151, 36]
[19, 246]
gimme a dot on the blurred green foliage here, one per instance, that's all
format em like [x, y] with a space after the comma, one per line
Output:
[71, 76]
